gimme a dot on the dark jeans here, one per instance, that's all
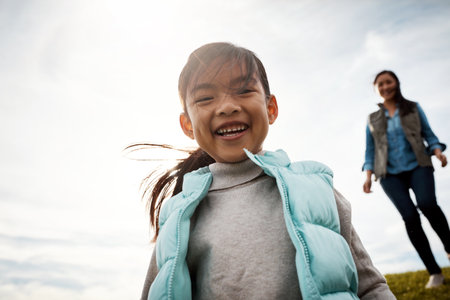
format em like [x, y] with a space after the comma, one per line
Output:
[421, 181]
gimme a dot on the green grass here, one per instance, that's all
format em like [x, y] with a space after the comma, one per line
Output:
[411, 286]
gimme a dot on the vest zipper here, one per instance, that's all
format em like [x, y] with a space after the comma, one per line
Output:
[177, 254]
[297, 233]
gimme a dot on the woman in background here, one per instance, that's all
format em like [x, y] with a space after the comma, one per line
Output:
[396, 153]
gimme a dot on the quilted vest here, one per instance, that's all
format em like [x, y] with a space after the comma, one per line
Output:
[323, 260]
[412, 129]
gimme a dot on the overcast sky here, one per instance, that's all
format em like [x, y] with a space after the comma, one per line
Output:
[80, 80]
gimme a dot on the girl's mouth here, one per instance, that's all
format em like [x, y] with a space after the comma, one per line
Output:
[231, 130]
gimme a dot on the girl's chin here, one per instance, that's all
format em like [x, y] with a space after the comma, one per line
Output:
[231, 158]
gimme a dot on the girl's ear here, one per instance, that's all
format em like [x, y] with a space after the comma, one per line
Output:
[272, 109]
[186, 125]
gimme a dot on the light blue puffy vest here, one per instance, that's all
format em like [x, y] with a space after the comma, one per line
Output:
[324, 263]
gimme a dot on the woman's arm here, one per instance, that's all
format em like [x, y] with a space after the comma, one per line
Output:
[369, 160]
[434, 146]
[428, 134]
[370, 151]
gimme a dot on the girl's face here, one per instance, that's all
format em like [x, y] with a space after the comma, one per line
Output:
[387, 86]
[224, 117]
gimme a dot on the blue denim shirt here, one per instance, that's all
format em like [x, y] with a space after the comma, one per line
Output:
[401, 157]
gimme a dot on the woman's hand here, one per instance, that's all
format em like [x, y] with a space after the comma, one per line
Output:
[368, 183]
[440, 156]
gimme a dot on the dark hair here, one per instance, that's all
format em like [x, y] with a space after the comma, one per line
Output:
[405, 106]
[216, 55]
[158, 187]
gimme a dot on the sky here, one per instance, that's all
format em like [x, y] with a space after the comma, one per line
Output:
[81, 80]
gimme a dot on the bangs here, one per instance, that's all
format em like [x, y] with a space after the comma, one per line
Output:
[216, 58]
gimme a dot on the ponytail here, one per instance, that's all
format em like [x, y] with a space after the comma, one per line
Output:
[159, 187]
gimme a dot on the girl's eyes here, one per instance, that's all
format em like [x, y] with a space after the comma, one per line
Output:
[203, 100]
[245, 91]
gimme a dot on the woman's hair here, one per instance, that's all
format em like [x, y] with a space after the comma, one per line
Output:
[405, 106]
[215, 55]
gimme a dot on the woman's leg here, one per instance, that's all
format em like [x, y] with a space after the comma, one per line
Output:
[422, 183]
[396, 188]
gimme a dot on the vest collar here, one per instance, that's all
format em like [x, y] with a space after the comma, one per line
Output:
[202, 177]
[270, 159]
[197, 182]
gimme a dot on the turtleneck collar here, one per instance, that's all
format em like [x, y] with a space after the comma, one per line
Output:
[226, 175]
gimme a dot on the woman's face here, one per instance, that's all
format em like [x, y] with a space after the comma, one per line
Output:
[386, 86]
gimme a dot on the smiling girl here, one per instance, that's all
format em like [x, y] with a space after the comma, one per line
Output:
[241, 222]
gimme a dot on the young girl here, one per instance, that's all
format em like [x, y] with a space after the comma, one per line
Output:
[245, 223]
[395, 153]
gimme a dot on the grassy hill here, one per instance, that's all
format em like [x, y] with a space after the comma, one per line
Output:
[411, 286]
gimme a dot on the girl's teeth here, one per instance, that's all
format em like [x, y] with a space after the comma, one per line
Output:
[231, 130]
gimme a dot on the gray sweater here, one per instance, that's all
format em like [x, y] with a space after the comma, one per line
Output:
[239, 247]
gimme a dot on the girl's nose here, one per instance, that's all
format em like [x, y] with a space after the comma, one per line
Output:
[228, 105]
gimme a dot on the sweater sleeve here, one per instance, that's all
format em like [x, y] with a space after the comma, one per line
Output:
[372, 284]
[151, 275]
